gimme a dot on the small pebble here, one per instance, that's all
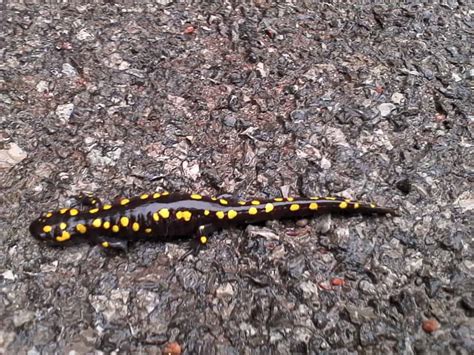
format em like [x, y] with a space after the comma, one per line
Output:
[229, 121]
[69, 70]
[261, 70]
[189, 30]
[172, 349]
[470, 74]
[431, 325]
[64, 112]
[225, 290]
[397, 98]
[386, 109]
[337, 281]
[84, 35]
[22, 317]
[11, 156]
[325, 164]
[42, 86]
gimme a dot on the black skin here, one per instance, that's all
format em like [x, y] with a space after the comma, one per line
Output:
[181, 216]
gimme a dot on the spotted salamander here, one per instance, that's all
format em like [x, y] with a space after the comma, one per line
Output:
[164, 216]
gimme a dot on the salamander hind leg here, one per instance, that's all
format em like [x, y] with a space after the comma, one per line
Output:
[203, 233]
[113, 243]
[200, 238]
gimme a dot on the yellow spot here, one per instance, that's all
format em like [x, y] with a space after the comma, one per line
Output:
[124, 201]
[148, 230]
[356, 205]
[165, 193]
[269, 207]
[255, 202]
[97, 222]
[63, 210]
[124, 221]
[47, 229]
[156, 217]
[203, 239]
[253, 210]
[206, 213]
[372, 205]
[242, 203]
[223, 202]
[115, 228]
[220, 214]
[343, 205]
[348, 200]
[330, 198]
[73, 212]
[290, 199]
[164, 212]
[278, 199]
[187, 215]
[81, 228]
[196, 197]
[144, 197]
[135, 227]
[105, 244]
[313, 206]
[94, 210]
[49, 214]
[107, 207]
[62, 225]
[63, 237]
[294, 207]
[232, 214]
[106, 225]
[156, 195]
[214, 198]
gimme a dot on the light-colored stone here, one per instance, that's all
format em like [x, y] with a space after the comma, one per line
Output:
[386, 109]
[397, 98]
[64, 112]
[11, 156]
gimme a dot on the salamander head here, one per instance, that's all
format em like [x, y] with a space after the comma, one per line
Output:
[53, 228]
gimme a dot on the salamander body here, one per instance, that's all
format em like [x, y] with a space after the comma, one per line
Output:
[166, 217]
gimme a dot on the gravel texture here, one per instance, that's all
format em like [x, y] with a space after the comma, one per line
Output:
[368, 102]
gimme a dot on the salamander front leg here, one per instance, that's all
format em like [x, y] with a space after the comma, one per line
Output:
[226, 197]
[86, 200]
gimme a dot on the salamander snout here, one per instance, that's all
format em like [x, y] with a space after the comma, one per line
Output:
[52, 230]
[41, 230]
